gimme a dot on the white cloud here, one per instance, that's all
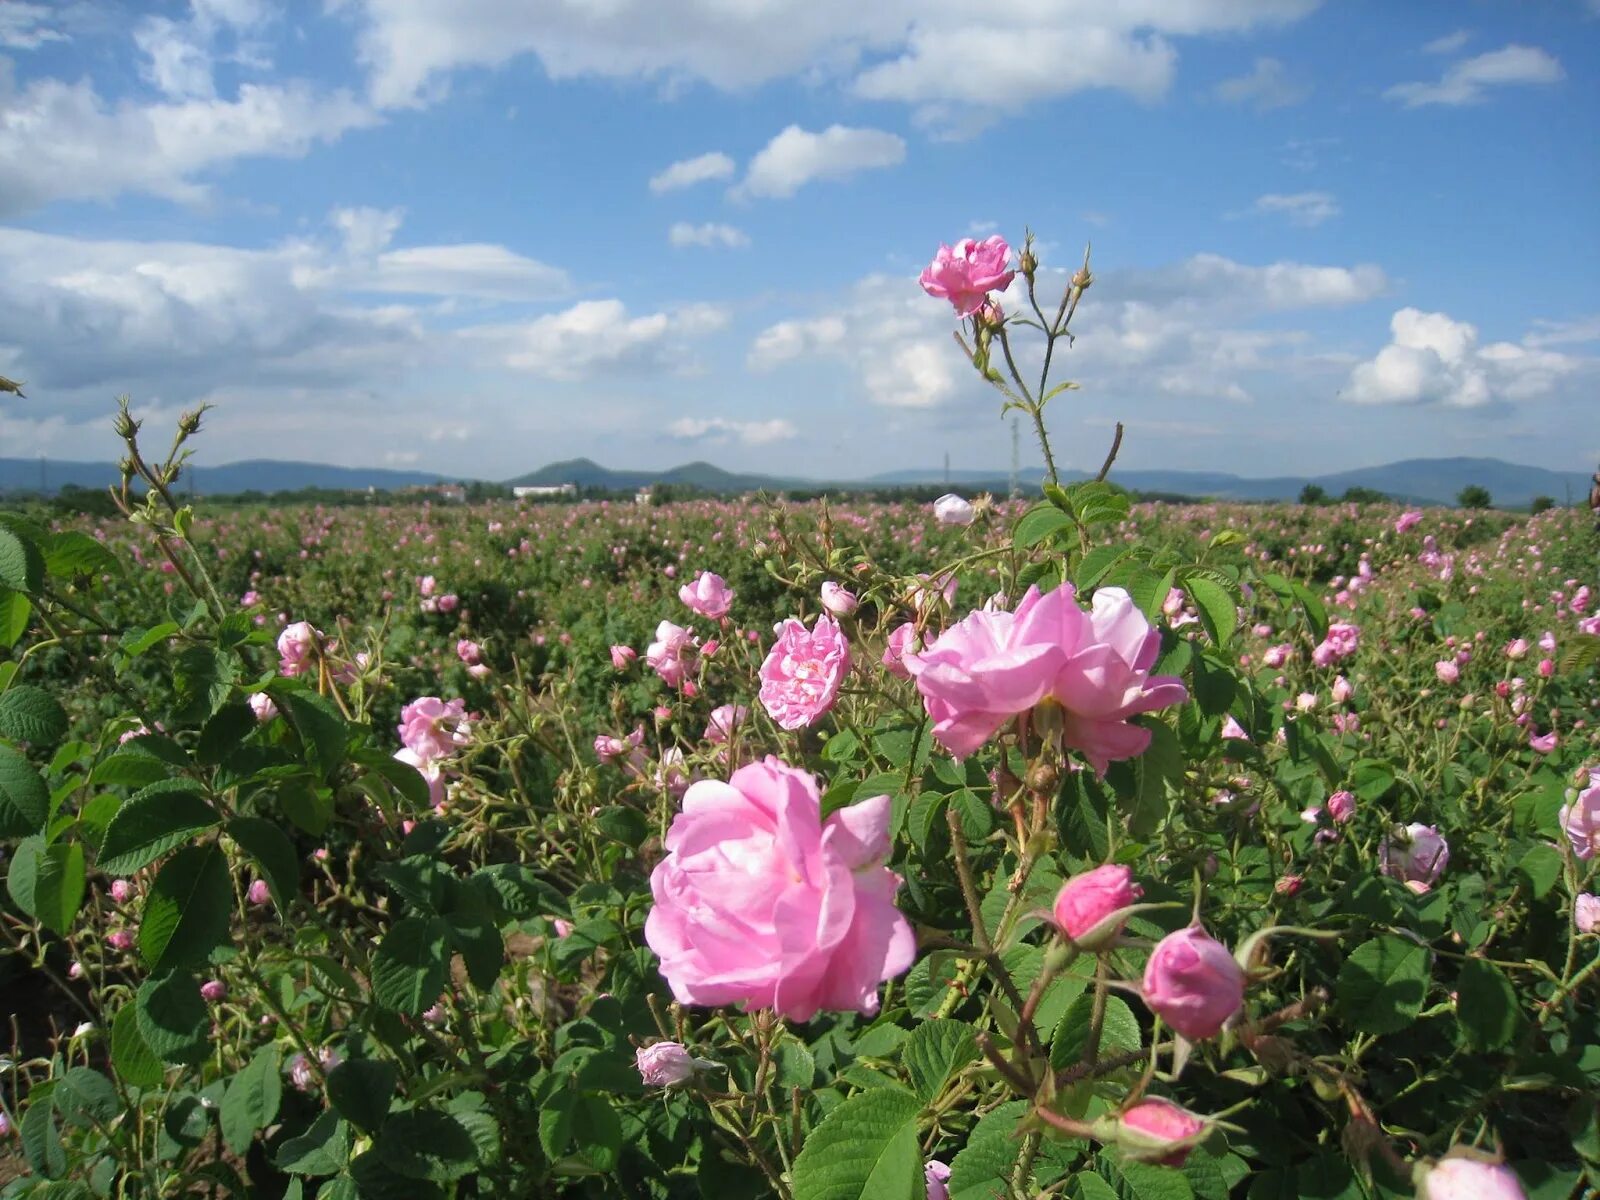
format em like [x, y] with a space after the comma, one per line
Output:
[476, 269]
[27, 26]
[709, 234]
[689, 171]
[1267, 86]
[571, 344]
[796, 157]
[1302, 208]
[1467, 81]
[939, 55]
[1433, 359]
[719, 429]
[1449, 43]
[1210, 281]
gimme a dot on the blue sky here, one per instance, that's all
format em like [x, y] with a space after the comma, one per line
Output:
[474, 236]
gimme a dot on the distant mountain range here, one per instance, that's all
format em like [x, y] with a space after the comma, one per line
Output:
[1419, 480]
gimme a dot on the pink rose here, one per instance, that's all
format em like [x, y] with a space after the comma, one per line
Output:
[725, 720]
[1341, 690]
[1416, 855]
[1543, 743]
[469, 652]
[837, 600]
[430, 770]
[1586, 913]
[1276, 656]
[262, 706]
[1580, 820]
[1086, 904]
[951, 509]
[1340, 643]
[901, 639]
[1465, 1178]
[671, 654]
[1157, 1130]
[623, 656]
[761, 902]
[213, 991]
[801, 676]
[259, 892]
[121, 891]
[448, 603]
[1341, 806]
[936, 1177]
[967, 272]
[1193, 983]
[1517, 649]
[297, 648]
[664, 1064]
[433, 729]
[1406, 521]
[1447, 670]
[708, 595]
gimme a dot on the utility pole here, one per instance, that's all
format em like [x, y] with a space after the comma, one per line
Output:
[1016, 459]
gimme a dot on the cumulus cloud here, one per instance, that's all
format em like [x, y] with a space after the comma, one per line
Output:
[934, 54]
[1468, 80]
[689, 171]
[719, 430]
[709, 235]
[797, 157]
[594, 334]
[1267, 86]
[1301, 208]
[1449, 43]
[1433, 359]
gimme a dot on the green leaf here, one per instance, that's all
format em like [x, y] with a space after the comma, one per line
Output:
[427, 1144]
[189, 910]
[1215, 603]
[412, 964]
[137, 642]
[24, 798]
[521, 893]
[1541, 867]
[21, 564]
[202, 681]
[1486, 1006]
[86, 1098]
[1097, 564]
[270, 849]
[31, 714]
[1158, 774]
[221, 735]
[865, 1149]
[1141, 1181]
[361, 1089]
[127, 769]
[47, 882]
[135, 1062]
[1039, 523]
[156, 819]
[936, 1052]
[15, 608]
[321, 1150]
[317, 721]
[173, 1021]
[308, 806]
[41, 1138]
[1383, 983]
[72, 553]
[982, 1170]
[1119, 1031]
[252, 1099]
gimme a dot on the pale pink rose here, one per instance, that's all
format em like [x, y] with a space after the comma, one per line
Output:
[1086, 904]
[761, 902]
[1580, 820]
[433, 729]
[120, 939]
[623, 656]
[430, 770]
[469, 652]
[1517, 649]
[1341, 690]
[1193, 983]
[448, 603]
[936, 1178]
[259, 892]
[672, 653]
[1406, 521]
[707, 594]
[665, 1064]
[1586, 913]
[213, 991]
[562, 926]
[951, 509]
[967, 272]
[801, 676]
[1340, 643]
[901, 639]
[1543, 743]
[1447, 670]
[261, 704]
[300, 1074]
[725, 721]
[1468, 1179]
[1276, 656]
[1415, 854]
[1157, 1130]
[121, 891]
[426, 586]
[1546, 668]
[837, 600]
[1232, 729]
[1547, 642]
[297, 648]
[1341, 806]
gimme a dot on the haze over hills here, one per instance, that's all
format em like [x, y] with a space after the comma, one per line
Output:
[1422, 480]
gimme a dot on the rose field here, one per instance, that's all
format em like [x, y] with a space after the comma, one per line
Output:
[1059, 846]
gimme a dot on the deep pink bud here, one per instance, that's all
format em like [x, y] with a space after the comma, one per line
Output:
[1193, 983]
[1086, 903]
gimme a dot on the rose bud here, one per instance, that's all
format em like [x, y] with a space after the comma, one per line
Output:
[1461, 1178]
[664, 1064]
[1089, 907]
[1156, 1130]
[1193, 983]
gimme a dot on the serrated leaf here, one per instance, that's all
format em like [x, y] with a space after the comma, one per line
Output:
[1038, 524]
[21, 564]
[24, 798]
[321, 1150]
[361, 1089]
[41, 1139]
[1486, 1006]
[15, 609]
[1383, 983]
[135, 1063]
[252, 1099]
[935, 1053]
[189, 910]
[47, 882]
[1216, 606]
[412, 965]
[1119, 1031]
[86, 1098]
[427, 1144]
[31, 714]
[71, 553]
[154, 820]
[270, 849]
[173, 1021]
[865, 1149]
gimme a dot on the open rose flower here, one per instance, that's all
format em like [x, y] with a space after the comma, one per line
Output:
[1458, 1177]
[1580, 820]
[1416, 855]
[672, 654]
[433, 729]
[967, 272]
[761, 902]
[707, 594]
[297, 648]
[801, 676]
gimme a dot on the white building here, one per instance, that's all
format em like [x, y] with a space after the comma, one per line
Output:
[550, 489]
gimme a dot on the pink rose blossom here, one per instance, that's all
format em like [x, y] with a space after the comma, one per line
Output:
[1416, 855]
[1341, 690]
[1341, 806]
[430, 770]
[1232, 729]
[801, 676]
[951, 509]
[936, 1178]
[297, 648]
[1193, 983]
[1580, 820]
[724, 723]
[664, 1064]
[213, 991]
[1157, 1130]
[121, 891]
[1586, 913]
[1086, 903]
[1341, 643]
[1447, 670]
[672, 653]
[967, 272]
[259, 892]
[901, 639]
[1543, 743]
[1407, 520]
[623, 656]
[1276, 656]
[469, 652]
[1517, 649]
[1462, 1178]
[761, 902]
[707, 594]
[261, 704]
[837, 600]
[433, 729]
